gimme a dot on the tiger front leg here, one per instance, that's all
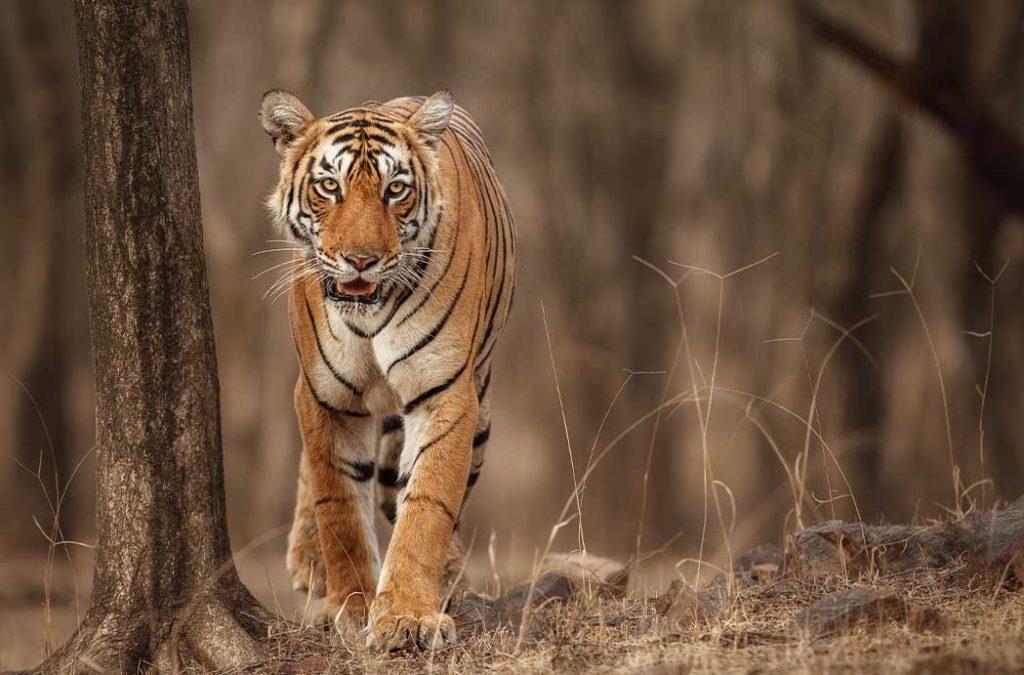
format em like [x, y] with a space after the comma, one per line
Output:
[339, 450]
[432, 478]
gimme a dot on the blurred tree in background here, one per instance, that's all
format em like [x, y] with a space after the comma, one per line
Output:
[702, 133]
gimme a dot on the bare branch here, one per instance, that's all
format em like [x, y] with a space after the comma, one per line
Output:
[995, 153]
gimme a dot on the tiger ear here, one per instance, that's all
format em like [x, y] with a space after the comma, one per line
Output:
[433, 115]
[284, 117]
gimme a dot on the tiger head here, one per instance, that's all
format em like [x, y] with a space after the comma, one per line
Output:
[358, 190]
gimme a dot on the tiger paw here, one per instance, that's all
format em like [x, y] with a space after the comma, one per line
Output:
[406, 632]
[306, 566]
[345, 614]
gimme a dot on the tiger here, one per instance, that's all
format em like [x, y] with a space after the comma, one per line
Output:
[402, 281]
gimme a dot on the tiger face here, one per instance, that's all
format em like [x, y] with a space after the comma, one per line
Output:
[358, 189]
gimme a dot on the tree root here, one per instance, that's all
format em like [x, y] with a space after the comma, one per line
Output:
[219, 641]
[104, 642]
[213, 636]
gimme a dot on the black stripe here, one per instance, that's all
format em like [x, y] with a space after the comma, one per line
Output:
[440, 437]
[356, 330]
[480, 437]
[482, 391]
[362, 125]
[483, 357]
[379, 136]
[390, 511]
[391, 424]
[344, 138]
[433, 391]
[488, 191]
[327, 406]
[433, 501]
[405, 293]
[387, 476]
[333, 498]
[485, 186]
[338, 376]
[474, 476]
[358, 471]
[427, 295]
[439, 326]
[291, 186]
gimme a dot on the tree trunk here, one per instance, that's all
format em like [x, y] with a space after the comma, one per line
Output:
[165, 587]
[863, 414]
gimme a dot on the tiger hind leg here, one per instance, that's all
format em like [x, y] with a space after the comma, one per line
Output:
[454, 572]
[305, 560]
[391, 441]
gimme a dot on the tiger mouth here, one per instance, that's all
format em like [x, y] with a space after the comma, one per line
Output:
[357, 290]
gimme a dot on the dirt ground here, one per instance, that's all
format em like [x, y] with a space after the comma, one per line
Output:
[754, 627]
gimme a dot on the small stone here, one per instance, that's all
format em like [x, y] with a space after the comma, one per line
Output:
[605, 576]
[997, 545]
[682, 607]
[475, 614]
[759, 565]
[845, 611]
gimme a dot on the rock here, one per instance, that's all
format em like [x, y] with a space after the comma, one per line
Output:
[990, 542]
[566, 576]
[760, 565]
[475, 614]
[683, 607]
[837, 548]
[551, 586]
[590, 572]
[844, 611]
[957, 664]
[815, 553]
[997, 545]
[759, 557]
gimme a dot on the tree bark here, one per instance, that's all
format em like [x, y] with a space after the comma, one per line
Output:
[165, 585]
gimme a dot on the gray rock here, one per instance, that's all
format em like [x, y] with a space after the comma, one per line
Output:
[847, 610]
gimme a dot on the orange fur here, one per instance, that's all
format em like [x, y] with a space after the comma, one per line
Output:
[408, 185]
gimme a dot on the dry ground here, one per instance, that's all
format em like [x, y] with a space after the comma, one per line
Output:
[947, 627]
[980, 633]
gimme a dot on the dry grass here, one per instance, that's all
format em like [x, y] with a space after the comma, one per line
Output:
[979, 632]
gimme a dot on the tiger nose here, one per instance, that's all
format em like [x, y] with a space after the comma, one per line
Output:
[361, 261]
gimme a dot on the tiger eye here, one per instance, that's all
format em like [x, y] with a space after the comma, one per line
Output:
[329, 184]
[396, 188]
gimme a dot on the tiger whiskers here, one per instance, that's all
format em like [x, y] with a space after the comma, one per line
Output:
[301, 269]
[414, 265]
[295, 263]
[405, 277]
[296, 249]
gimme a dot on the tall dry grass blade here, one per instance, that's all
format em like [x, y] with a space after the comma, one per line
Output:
[953, 467]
